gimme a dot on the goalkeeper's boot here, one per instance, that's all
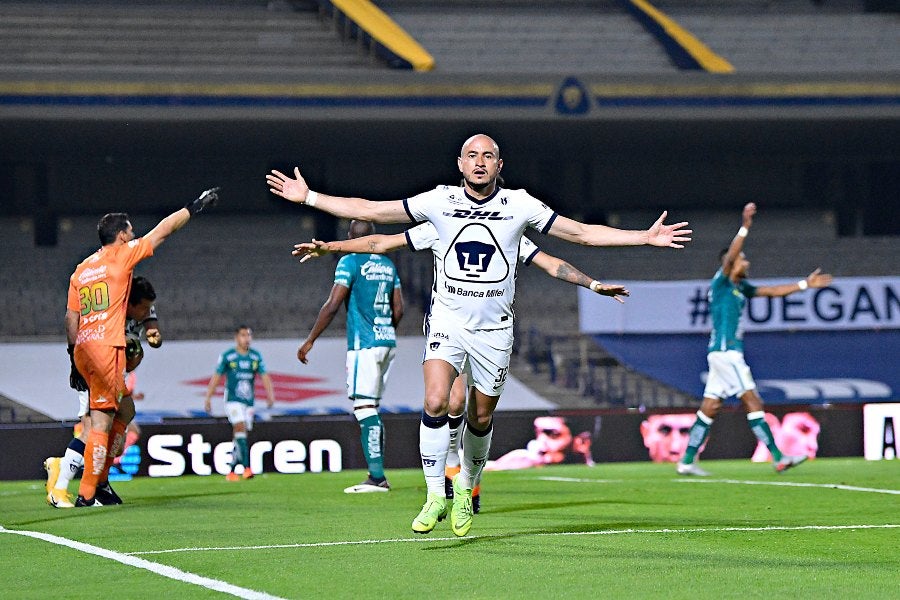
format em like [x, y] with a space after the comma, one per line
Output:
[81, 502]
[787, 462]
[434, 510]
[51, 465]
[247, 474]
[462, 512]
[449, 473]
[59, 499]
[106, 495]
[476, 499]
[691, 469]
[232, 476]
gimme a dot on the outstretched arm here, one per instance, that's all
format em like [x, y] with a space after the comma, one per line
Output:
[336, 298]
[177, 219]
[378, 243]
[816, 279]
[296, 190]
[560, 269]
[659, 234]
[737, 244]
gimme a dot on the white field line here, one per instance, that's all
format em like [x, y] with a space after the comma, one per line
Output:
[830, 486]
[505, 536]
[140, 563]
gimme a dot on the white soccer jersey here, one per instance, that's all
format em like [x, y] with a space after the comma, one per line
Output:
[134, 328]
[475, 250]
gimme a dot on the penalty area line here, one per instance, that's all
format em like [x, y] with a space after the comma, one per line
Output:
[140, 563]
[506, 536]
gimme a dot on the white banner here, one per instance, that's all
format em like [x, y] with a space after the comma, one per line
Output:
[881, 425]
[683, 307]
[173, 379]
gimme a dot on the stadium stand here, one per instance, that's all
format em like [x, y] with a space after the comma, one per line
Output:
[244, 270]
[758, 36]
[232, 40]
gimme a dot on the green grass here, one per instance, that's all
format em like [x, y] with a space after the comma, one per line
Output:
[626, 530]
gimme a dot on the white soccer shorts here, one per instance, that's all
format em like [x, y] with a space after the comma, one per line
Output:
[238, 412]
[84, 399]
[488, 352]
[367, 373]
[728, 375]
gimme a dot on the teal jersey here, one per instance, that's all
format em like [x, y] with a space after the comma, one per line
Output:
[726, 304]
[240, 372]
[371, 279]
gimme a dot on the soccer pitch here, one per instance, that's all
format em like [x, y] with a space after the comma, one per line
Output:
[828, 529]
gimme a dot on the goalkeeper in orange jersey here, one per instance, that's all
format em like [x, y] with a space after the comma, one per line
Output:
[141, 318]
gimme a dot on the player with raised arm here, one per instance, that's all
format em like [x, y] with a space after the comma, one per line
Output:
[729, 374]
[478, 226]
[141, 318]
[95, 330]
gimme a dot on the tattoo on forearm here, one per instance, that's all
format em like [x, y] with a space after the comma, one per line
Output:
[372, 246]
[567, 272]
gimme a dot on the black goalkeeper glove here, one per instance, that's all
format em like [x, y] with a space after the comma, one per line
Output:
[207, 198]
[76, 381]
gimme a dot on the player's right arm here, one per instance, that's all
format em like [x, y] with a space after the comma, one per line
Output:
[737, 243]
[73, 320]
[151, 330]
[210, 390]
[368, 244]
[336, 299]
[296, 190]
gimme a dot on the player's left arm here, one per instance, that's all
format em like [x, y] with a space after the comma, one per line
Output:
[370, 244]
[177, 219]
[816, 279]
[560, 269]
[270, 391]
[659, 234]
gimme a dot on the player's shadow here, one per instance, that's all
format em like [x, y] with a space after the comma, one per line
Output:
[514, 508]
[585, 528]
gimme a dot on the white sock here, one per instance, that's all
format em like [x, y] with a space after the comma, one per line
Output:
[433, 444]
[68, 467]
[453, 452]
[473, 459]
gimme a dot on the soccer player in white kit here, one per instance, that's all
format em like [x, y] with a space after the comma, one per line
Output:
[478, 226]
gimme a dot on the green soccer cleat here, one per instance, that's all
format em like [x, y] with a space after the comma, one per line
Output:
[788, 462]
[462, 512]
[434, 510]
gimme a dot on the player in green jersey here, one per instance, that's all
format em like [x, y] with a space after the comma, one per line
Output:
[368, 285]
[240, 365]
[729, 375]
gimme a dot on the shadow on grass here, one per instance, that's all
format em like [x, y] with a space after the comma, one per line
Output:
[62, 514]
